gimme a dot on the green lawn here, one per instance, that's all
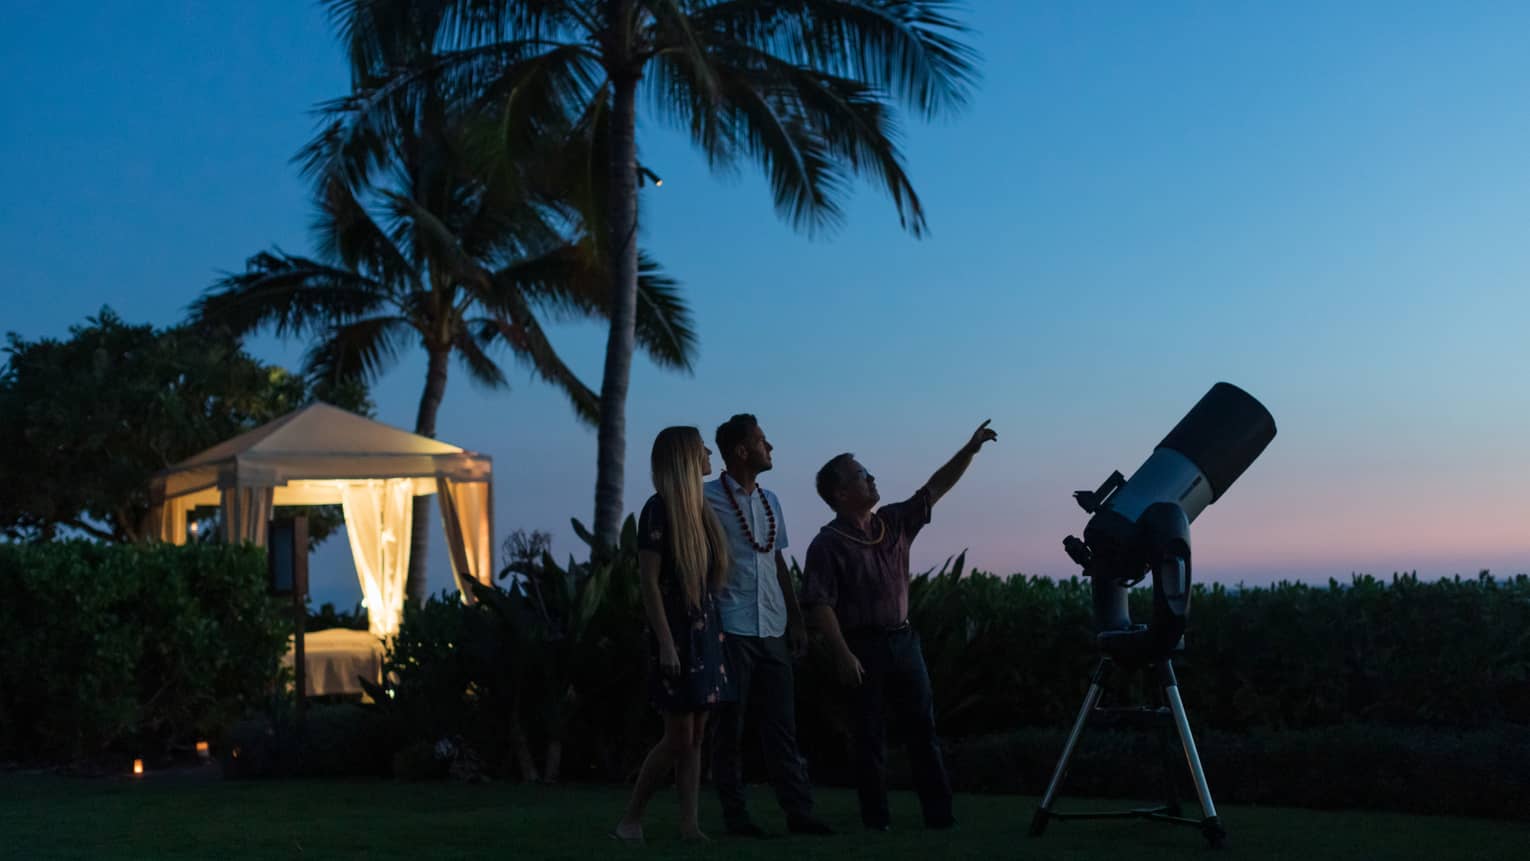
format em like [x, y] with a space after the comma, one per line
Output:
[182, 816]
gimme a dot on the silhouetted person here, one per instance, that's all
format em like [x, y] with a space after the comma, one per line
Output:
[682, 562]
[855, 586]
[765, 632]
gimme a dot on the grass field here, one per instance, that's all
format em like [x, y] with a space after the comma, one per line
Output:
[195, 815]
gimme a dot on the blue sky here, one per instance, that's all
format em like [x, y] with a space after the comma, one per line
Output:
[1326, 206]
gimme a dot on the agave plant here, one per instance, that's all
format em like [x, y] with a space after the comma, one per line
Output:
[578, 635]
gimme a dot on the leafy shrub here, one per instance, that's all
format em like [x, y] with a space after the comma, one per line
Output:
[579, 630]
[535, 666]
[141, 646]
[1367, 694]
[1018, 651]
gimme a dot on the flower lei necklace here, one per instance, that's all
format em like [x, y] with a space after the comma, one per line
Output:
[743, 522]
[881, 532]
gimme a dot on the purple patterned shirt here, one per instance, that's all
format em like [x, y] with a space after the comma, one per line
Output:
[863, 580]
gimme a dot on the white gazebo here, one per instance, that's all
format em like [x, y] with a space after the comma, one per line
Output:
[323, 455]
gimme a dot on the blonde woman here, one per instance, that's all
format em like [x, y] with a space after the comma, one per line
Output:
[683, 562]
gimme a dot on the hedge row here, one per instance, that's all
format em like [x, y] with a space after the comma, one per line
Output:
[141, 649]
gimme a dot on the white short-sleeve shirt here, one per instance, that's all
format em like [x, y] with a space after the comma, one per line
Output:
[751, 604]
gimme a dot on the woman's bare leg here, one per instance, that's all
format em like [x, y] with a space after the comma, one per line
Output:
[656, 767]
[688, 774]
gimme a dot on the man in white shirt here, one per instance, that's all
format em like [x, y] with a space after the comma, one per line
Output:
[764, 628]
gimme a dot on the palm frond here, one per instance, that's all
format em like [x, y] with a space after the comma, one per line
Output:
[757, 117]
[852, 120]
[859, 127]
[583, 180]
[345, 232]
[476, 20]
[360, 128]
[570, 283]
[498, 217]
[353, 148]
[665, 328]
[673, 33]
[517, 327]
[912, 49]
[293, 295]
[430, 237]
[379, 34]
[542, 97]
[481, 369]
[359, 351]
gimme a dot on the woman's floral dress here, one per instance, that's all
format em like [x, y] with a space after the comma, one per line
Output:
[697, 632]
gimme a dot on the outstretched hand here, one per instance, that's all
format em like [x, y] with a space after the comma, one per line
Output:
[947, 476]
[983, 434]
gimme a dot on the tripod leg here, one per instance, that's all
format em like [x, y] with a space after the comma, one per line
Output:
[1166, 745]
[1211, 827]
[1096, 687]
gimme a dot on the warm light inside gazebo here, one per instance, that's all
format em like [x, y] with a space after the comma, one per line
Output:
[322, 455]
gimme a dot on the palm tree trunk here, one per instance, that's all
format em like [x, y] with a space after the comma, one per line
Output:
[425, 425]
[622, 232]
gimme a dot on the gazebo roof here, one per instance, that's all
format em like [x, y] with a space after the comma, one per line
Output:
[301, 452]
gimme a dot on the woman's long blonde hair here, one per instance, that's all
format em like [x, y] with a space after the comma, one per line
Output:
[678, 453]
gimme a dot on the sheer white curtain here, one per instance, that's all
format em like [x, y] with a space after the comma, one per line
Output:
[246, 511]
[467, 511]
[377, 521]
[167, 521]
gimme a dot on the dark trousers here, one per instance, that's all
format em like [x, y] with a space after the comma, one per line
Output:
[896, 682]
[761, 667]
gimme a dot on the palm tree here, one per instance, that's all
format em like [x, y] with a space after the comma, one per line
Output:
[805, 89]
[420, 244]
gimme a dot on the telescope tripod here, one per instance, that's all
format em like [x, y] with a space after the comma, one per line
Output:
[1170, 711]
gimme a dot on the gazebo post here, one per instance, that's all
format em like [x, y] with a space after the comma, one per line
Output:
[287, 555]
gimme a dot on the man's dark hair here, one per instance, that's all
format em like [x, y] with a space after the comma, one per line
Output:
[733, 432]
[832, 477]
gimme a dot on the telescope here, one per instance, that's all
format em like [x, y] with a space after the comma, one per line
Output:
[1140, 527]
